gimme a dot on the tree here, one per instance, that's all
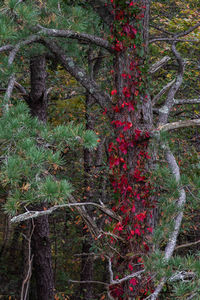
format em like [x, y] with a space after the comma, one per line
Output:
[139, 122]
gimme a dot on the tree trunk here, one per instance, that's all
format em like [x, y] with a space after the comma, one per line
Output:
[41, 246]
[87, 262]
[42, 261]
[129, 158]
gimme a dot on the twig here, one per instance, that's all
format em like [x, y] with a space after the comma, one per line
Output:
[88, 281]
[174, 39]
[187, 245]
[26, 280]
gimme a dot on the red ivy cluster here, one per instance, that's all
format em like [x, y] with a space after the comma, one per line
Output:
[130, 183]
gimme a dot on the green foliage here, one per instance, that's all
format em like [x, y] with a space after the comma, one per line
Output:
[32, 155]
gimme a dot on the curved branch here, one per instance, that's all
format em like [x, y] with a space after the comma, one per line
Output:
[6, 48]
[169, 250]
[82, 37]
[166, 108]
[35, 214]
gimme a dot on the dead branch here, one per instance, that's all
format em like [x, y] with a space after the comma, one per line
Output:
[187, 245]
[159, 64]
[162, 92]
[186, 101]
[35, 214]
[169, 250]
[166, 108]
[179, 124]
[82, 37]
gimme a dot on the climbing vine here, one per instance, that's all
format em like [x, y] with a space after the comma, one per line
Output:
[128, 155]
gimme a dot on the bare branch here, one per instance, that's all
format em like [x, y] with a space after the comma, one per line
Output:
[162, 92]
[184, 33]
[159, 64]
[166, 108]
[192, 296]
[110, 270]
[179, 276]
[9, 90]
[6, 48]
[136, 274]
[183, 276]
[20, 88]
[178, 219]
[186, 101]
[179, 124]
[89, 281]
[118, 281]
[82, 37]
[34, 214]
[11, 58]
[187, 245]
[70, 66]
[174, 39]
[16, 48]
[161, 29]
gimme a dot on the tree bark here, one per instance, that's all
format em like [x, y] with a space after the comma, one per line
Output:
[41, 246]
[87, 263]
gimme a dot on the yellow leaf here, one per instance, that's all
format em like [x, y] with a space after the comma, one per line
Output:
[26, 186]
